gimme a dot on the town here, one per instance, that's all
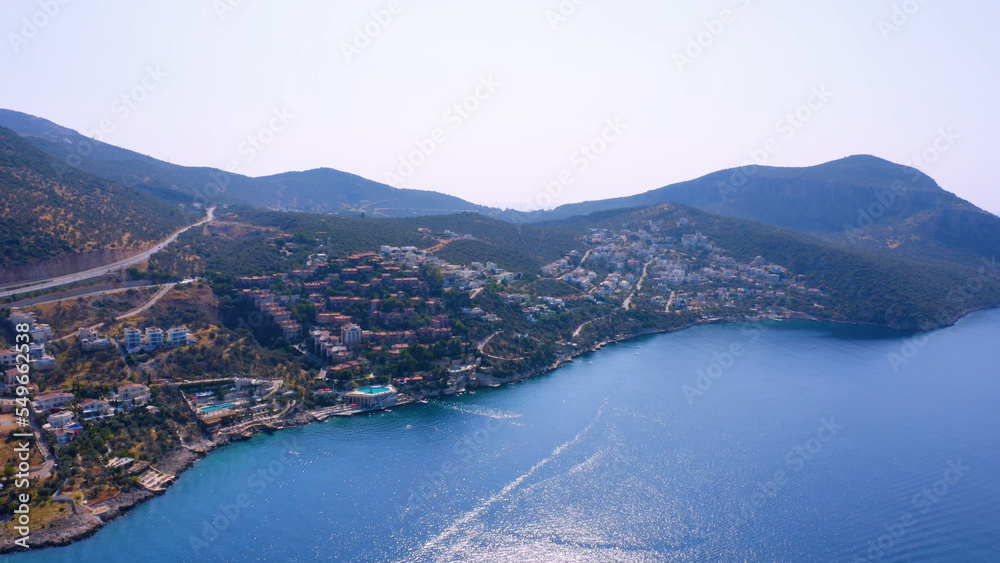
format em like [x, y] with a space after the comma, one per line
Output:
[365, 331]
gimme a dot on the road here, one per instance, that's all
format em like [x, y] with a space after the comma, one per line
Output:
[105, 270]
[670, 302]
[441, 244]
[44, 471]
[483, 344]
[487, 340]
[77, 293]
[580, 328]
[148, 304]
[136, 311]
[638, 286]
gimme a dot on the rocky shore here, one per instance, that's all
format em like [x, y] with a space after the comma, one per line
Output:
[83, 523]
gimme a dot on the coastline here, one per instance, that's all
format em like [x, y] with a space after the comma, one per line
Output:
[83, 523]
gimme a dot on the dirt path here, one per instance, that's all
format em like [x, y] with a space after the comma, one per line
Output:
[441, 244]
[487, 340]
[152, 301]
[580, 328]
[638, 286]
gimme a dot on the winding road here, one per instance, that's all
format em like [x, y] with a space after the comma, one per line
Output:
[152, 301]
[105, 270]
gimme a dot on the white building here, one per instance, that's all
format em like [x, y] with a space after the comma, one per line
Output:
[133, 338]
[154, 336]
[92, 409]
[41, 333]
[90, 339]
[177, 336]
[36, 352]
[8, 358]
[60, 419]
[373, 397]
[134, 393]
[351, 334]
[52, 400]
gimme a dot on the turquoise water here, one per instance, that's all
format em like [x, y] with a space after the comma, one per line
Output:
[216, 407]
[373, 390]
[791, 442]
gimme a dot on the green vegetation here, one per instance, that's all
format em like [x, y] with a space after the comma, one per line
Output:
[862, 201]
[862, 286]
[255, 242]
[551, 288]
[317, 191]
[46, 215]
[458, 324]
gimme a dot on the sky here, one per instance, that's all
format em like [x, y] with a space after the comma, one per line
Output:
[522, 104]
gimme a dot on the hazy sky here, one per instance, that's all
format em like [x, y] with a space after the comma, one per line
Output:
[504, 94]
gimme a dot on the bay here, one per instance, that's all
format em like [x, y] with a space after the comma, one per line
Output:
[798, 442]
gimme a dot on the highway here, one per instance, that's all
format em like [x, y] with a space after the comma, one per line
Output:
[105, 270]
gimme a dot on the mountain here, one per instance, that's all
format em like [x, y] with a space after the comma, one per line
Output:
[48, 212]
[863, 285]
[859, 200]
[325, 190]
[320, 191]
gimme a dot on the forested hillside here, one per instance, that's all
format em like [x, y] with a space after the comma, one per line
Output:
[46, 215]
[322, 190]
[864, 286]
[247, 241]
[861, 201]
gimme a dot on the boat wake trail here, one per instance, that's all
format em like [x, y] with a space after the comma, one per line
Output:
[455, 527]
[488, 413]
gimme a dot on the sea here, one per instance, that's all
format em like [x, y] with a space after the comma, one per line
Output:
[769, 441]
